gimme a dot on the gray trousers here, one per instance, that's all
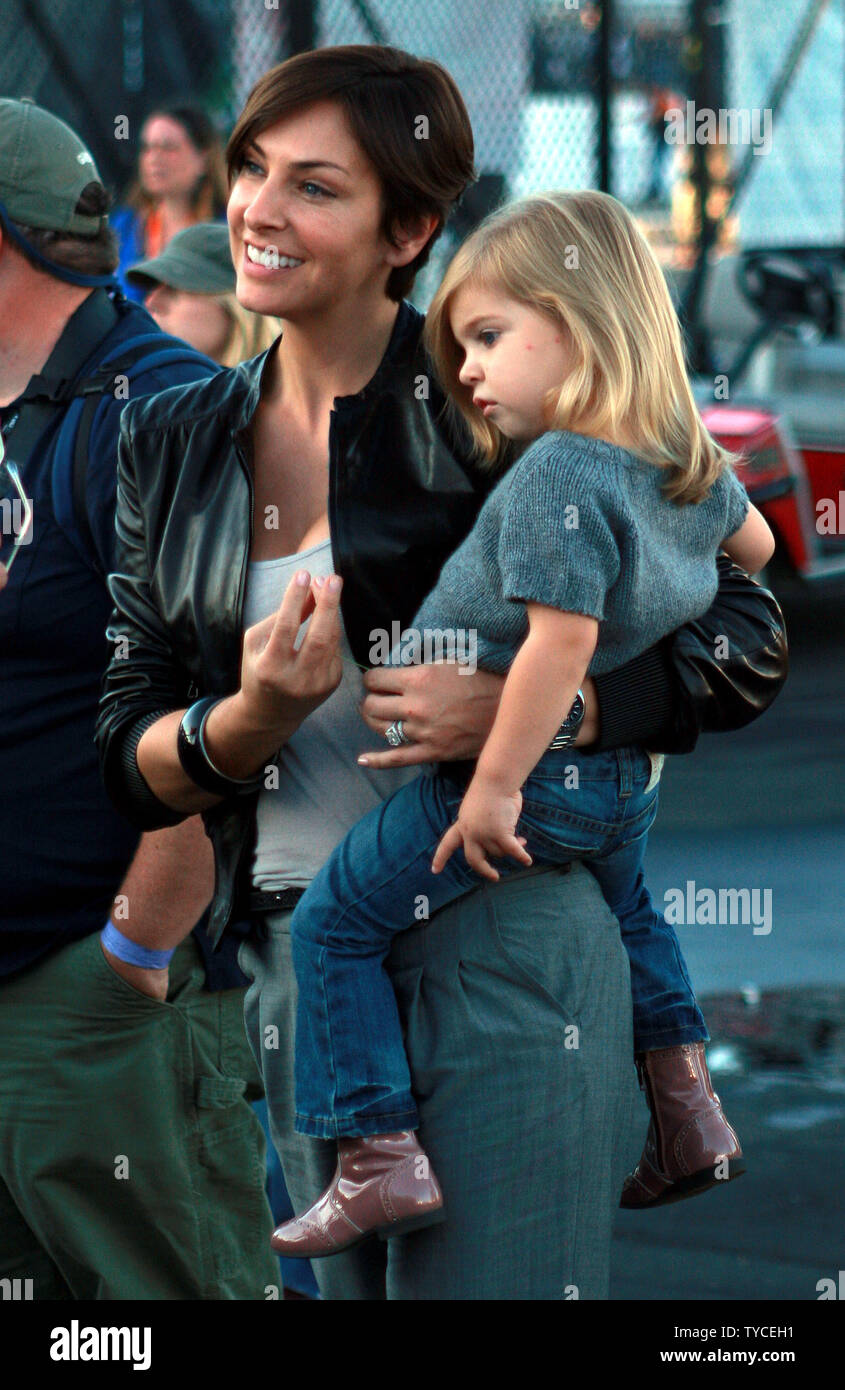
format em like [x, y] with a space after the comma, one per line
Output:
[516, 1007]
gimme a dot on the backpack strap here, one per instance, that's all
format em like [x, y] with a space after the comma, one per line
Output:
[79, 479]
[130, 359]
[46, 396]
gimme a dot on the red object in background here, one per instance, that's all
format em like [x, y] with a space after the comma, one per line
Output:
[785, 482]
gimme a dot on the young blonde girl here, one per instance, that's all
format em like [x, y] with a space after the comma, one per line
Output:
[555, 337]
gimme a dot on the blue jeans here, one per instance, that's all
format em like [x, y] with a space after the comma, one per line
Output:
[352, 1075]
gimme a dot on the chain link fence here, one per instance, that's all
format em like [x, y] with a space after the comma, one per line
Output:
[95, 63]
[795, 195]
[501, 54]
[529, 70]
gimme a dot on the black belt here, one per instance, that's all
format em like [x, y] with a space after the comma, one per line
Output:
[283, 900]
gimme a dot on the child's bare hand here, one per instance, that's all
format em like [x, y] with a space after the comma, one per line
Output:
[486, 824]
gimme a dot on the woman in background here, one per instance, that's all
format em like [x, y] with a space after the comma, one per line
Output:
[181, 180]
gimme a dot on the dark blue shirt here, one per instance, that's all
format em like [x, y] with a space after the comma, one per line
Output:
[64, 850]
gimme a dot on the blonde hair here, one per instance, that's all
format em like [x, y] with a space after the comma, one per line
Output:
[581, 259]
[250, 334]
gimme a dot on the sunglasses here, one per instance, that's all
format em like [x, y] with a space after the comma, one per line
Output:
[15, 511]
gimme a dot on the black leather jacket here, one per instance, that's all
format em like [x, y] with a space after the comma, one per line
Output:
[402, 495]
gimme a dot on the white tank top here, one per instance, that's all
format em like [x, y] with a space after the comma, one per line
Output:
[322, 791]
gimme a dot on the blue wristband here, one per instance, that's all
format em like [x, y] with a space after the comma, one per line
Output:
[131, 952]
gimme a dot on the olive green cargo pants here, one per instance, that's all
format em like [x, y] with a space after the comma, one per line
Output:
[131, 1161]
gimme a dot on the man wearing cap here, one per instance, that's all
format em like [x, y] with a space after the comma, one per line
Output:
[189, 289]
[197, 260]
[184, 284]
[131, 1163]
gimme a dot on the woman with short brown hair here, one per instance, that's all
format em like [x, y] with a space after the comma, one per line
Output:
[334, 440]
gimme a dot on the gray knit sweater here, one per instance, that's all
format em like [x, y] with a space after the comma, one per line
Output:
[583, 526]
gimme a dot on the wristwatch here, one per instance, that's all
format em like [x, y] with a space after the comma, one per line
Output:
[194, 757]
[568, 731]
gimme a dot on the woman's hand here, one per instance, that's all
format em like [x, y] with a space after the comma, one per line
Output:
[281, 685]
[486, 824]
[448, 715]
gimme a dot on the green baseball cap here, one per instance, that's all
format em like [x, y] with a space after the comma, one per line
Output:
[44, 169]
[197, 259]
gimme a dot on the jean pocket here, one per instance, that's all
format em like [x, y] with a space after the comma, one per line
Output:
[639, 823]
[556, 832]
[656, 761]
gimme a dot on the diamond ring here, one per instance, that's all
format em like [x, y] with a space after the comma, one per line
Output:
[396, 735]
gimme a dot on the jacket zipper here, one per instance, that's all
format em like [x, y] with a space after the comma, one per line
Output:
[242, 581]
[332, 508]
[238, 624]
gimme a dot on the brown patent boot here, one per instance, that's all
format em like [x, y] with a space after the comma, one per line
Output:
[690, 1146]
[383, 1184]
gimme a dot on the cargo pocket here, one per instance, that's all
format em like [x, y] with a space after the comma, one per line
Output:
[231, 1188]
[218, 1092]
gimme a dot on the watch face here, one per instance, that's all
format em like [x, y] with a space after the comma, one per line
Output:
[568, 730]
[576, 714]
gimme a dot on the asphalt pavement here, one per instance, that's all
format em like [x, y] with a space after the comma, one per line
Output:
[762, 809]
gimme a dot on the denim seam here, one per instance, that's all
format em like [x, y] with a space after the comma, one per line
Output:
[332, 1128]
[381, 885]
[672, 1032]
[559, 817]
[331, 1119]
[328, 1017]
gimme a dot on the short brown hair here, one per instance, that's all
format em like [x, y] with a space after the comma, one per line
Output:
[383, 93]
[87, 255]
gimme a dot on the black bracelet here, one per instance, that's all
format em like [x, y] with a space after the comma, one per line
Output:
[194, 757]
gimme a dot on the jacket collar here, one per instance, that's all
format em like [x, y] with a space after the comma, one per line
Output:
[401, 347]
[402, 344]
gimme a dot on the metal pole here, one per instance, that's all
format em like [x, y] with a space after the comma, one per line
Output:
[702, 27]
[302, 26]
[697, 339]
[371, 22]
[775, 97]
[604, 95]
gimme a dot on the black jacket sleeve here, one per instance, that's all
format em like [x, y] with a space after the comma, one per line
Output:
[142, 680]
[710, 676]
